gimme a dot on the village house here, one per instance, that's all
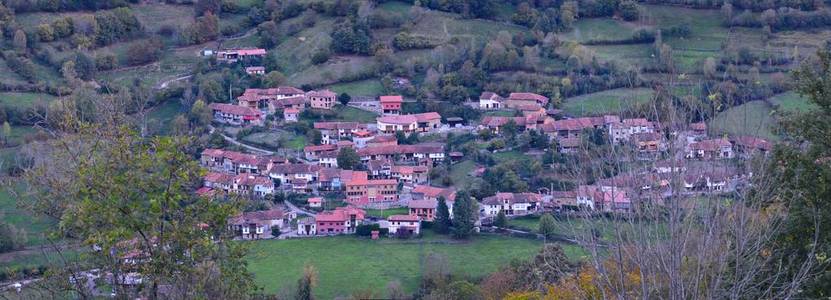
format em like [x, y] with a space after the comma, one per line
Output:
[290, 115]
[710, 149]
[328, 159]
[236, 115]
[423, 122]
[603, 198]
[379, 169]
[286, 173]
[434, 152]
[716, 179]
[747, 146]
[496, 123]
[361, 190]
[391, 105]
[306, 227]
[272, 99]
[255, 185]
[562, 200]
[512, 204]
[323, 99]
[313, 152]
[515, 100]
[342, 220]
[332, 132]
[315, 202]
[255, 70]
[404, 225]
[217, 181]
[410, 174]
[235, 55]
[648, 145]
[361, 138]
[332, 179]
[699, 129]
[234, 162]
[425, 201]
[490, 101]
[570, 145]
[257, 224]
[620, 132]
[573, 128]
[382, 141]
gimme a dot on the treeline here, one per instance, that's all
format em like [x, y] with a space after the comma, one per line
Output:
[754, 5]
[64, 5]
[782, 19]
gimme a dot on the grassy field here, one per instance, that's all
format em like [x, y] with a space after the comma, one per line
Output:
[348, 113]
[460, 174]
[754, 118]
[277, 139]
[15, 215]
[600, 29]
[159, 117]
[611, 101]
[346, 264]
[367, 88]
[792, 102]
[24, 100]
[582, 227]
[384, 213]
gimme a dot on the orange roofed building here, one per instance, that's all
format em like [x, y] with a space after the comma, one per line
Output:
[362, 191]
[391, 105]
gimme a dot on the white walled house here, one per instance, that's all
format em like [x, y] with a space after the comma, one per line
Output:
[409, 223]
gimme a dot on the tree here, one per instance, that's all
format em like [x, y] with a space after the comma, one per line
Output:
[274, 79]
[124, 193]
[348, 159]
[548, 226]
[442, 221]
[802, 172]
[275, 231]
[7, 132]
[344, 98]
[465, 215]
[85, 66]
[68, 71]
[306, 284]
[46, 33]
[501, 220]
[19, 40]
[200, 114]
[10, 238]
[180, 125]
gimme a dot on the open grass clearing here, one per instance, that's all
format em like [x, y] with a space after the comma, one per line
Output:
[460, 173]
[600, 29]
[384, 213]
[155, 16]
[754, 118]
[12, 213]
[792, 102]
[161, 116]
[366, 88]
[348, 113]
[347, 264]
[606, 102]
[24, 100]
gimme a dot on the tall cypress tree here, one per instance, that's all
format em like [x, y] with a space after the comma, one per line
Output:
[442, 223]
[465, 215]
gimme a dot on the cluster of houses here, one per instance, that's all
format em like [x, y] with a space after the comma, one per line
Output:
[394, 175]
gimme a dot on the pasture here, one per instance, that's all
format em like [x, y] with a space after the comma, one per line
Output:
[346, 264]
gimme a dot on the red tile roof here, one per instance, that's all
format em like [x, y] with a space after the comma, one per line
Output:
[543, 100]
[235, 109]
[391, 99]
